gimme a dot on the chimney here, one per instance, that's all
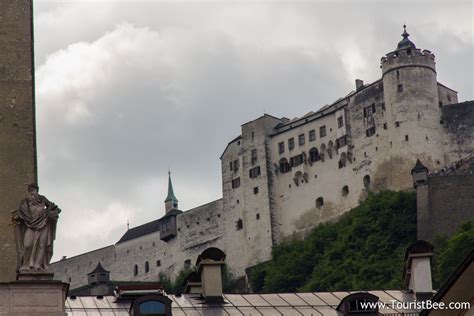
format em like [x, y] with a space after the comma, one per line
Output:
[417, 272]
[359, 84]
[210, 264]
[192, 283]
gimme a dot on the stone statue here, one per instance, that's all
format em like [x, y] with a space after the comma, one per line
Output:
[35, 229]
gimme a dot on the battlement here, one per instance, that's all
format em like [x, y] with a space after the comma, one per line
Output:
[407, 58]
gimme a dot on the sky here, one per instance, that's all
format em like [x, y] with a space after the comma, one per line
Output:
[127, 90]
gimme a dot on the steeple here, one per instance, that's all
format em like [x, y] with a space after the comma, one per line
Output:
[405, 42]
[171, 202]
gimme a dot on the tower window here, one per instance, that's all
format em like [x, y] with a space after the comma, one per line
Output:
[284, 165]
[235, 183]
[147, 267]
[187, 264]
[312, 135]
[406, 138]
[397, 124]
[400, 88]
[236, 165]
[301, 139]
[366, 181]
[384, 125]
[135, 270]
[281, 147]
[158, 263]
[254, 156]
[345, 190]
[313, 154]
[239, 224]
[291, 143]
[255, 190]
[254, 172]
[258, 216]
[319, 202]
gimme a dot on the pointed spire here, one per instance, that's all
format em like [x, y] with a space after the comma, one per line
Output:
[170, 196]
[405, 34]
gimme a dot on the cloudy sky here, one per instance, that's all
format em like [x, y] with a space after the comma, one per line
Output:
[129, 89]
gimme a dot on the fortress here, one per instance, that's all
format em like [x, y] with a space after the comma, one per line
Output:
[282, 177]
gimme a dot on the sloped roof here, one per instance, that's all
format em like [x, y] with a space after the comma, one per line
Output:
[314, 303]
[141, 230]
[99, 269]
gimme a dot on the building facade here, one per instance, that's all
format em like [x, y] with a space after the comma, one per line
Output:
[282, 177]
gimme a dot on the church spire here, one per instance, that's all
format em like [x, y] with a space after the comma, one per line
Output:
[171, 201]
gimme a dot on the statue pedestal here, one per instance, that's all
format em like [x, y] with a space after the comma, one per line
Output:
[33, 294]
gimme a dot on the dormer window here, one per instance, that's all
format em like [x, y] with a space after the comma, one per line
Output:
[360, 304]
[156, 305]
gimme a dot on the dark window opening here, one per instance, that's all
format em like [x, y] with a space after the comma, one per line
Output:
[291, 143]
[135, 270]
[322, 131]
[255, 190]
[440, 104]
[366, 181]
[313, 154]
[319, 202]
[284, 165]
[281, 147]
[187, 264]
[370, 132]
[296, 160]
[254, 156]
[340, 122]
[258, 216]
[240, 224]
[312, 135]
[384, 125]
[397, 124]
[345, 190]
[254, 172]
[449, 98]
[235, 183]
[301, 139]
[158, 263]
[400, 88]
[341, 141]
[236, 164]
[369, 110]
[406, 138]
[147, 267]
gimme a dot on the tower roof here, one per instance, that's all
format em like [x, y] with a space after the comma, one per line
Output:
[418, 166]
[99, 269]
[405, 42]
[170, 196]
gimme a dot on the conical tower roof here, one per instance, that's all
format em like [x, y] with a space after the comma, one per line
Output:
[405, 42]
[170, 196]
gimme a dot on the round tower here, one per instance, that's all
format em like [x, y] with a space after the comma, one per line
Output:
[413, 114]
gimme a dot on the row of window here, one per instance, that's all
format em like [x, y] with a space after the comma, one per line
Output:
[234, 165]
[147, 267]
[314, 156]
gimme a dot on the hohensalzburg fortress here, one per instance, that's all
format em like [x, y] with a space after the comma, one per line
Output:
[282, 177]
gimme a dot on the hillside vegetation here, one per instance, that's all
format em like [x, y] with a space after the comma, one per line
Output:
[363, 250]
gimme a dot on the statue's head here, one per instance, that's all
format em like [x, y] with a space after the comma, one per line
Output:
[33, 188]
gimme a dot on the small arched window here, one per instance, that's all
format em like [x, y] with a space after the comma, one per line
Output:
[319, 202]
[313, 154]
[366, 181]
[284, 165]
[345, 190]
[135, 270]
[156, 305]
[147, 267]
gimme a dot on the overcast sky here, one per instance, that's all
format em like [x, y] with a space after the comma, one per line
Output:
[126, 90]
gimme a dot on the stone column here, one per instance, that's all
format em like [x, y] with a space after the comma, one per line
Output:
[17, 120]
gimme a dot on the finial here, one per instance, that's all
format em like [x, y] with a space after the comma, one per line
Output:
[405, 34]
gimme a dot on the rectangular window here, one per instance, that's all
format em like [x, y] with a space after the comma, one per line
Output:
[340, 122]
[312, 135]
[236, 164]
[235, 183]
[158, 263]
[281, 147]
[255, 190]
[400, 88]
[322, 131]
[406, 138]
[369, 110]
[231, 166]
[341, 141]
[301, 139]
[384, 125]
[296, 160]
[397, 124]
[254, 172]
[291, 143]
[370, 131]
[254, 156]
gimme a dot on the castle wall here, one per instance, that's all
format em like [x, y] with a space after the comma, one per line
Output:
[458, 123]
[439, 215]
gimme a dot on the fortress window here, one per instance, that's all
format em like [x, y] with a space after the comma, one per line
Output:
[384, 125]
[406, 138]
[319, 202]
[341, 142]
[313, 154]
[369, 110]
[366, 181]
[255, 190]
[312, 135]
[398, 74]
[281, 147]
[235, 183]
[345, 190]
[284, 165]
[301, 139]
[397, 124]
[158, 263]
[340, 122]
[296, 160]
[322, 131]
[408, 51]
[400, 88]
[231, 166]
[239, 224]
[253, 136]
[187, 264]
[254, 156]
[440, 104]
[291, 143]
[135, 270]
[258, 216]
[147, 267]
[254, 172]
[370, 131]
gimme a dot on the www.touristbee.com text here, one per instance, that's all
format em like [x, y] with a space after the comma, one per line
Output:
[416, 305]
